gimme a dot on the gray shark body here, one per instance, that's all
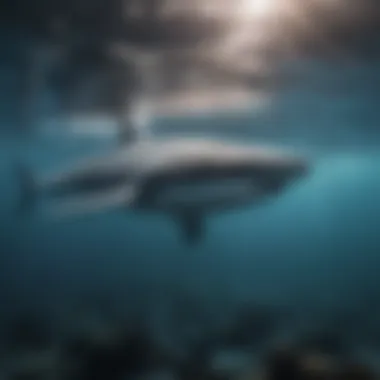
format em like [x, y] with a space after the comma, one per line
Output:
[187, 179]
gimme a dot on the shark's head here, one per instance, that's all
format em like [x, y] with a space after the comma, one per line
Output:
[298, 169]
[290, 172]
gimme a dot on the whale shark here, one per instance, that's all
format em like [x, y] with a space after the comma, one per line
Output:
[186, 179]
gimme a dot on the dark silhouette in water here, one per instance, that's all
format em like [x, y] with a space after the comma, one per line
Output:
[187, 179]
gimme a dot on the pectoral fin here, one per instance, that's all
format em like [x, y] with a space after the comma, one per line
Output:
[192, 227]
[103, 202]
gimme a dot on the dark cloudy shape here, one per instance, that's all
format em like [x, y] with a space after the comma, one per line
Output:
[203, 55]
[100, 21]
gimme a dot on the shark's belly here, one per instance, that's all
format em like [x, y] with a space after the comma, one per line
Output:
[205, 195]
[84, 182]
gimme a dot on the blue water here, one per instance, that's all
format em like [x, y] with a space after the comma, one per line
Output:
[313, 252]
[322, 232]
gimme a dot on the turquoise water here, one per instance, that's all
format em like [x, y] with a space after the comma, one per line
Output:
[316, 234]
[313, 253]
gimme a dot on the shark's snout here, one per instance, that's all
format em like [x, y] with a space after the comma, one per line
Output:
[298, 172]
[301, 169]
[291, 173]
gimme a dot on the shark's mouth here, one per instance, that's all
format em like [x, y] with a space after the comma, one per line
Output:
[207, 194]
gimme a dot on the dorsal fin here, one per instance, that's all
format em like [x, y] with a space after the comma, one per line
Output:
[138, 109]
[135, 122]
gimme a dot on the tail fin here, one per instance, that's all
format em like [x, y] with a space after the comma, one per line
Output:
[27, 192]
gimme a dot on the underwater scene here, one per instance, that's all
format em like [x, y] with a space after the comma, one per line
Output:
[208, 229]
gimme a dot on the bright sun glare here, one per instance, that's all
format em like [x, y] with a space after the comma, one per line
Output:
[258, 8]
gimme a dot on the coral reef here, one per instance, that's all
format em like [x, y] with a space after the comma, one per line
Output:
[92, 347]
